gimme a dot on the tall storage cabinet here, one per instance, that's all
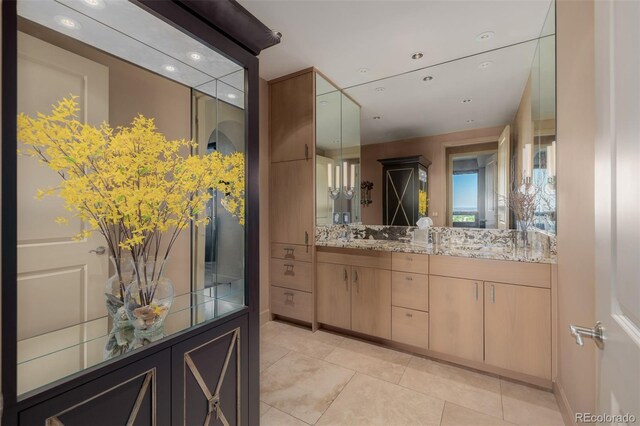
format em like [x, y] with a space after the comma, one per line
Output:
[292, 195]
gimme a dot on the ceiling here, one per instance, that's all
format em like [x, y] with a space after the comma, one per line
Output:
[342, 37]
[126, 31]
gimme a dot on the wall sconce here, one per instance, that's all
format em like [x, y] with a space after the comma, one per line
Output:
[551, 163]
[334, 191]
[349, 190]
[366, 187]
[527, 165]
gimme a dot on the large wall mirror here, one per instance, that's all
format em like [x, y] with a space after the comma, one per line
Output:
[485, 122]
[103, 87]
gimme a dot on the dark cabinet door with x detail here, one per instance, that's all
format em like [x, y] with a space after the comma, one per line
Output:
[210, 383]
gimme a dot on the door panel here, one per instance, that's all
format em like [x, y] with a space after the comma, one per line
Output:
[517, 328]
[292, 214]
[371, 301]
[334, 295]
[456, 317]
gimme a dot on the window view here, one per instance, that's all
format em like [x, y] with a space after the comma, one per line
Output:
[473, 180]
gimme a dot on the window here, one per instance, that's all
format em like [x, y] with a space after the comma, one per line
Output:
[465, 198]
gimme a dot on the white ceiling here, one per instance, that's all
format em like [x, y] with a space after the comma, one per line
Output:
[341, 37]
[124, 30]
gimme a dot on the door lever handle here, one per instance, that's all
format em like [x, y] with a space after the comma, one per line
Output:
[99, 250]
[596, 333]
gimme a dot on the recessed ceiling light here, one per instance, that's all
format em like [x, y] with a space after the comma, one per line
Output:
[485, 36]
[194, 56]
[169, 68]
[376, 117]
[427, 78]
[363, 70]
[466, 101]
[380, 89]
[96, 4]
[417, 55]
[484, 65]
[277, 33]
[231, 96]
[67, 22]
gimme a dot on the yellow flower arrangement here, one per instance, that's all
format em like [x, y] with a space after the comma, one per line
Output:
[422, 203]
[130, 184]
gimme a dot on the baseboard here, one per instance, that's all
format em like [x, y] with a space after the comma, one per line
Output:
[563, 403]
[265, 316]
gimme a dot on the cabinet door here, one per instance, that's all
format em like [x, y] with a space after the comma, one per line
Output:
[292, 122]
[456, 317]
[334, 295]
[291, 201]
[518, 328]
[371, 301]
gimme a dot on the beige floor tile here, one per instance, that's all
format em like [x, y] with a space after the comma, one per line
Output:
[370, 401]
[270, 353]
[455, 415]
[375, 351]
[528, 406]
[275, 417]
[264, 408]
[317, 345]
[302, 386]
[270, 329]
[367, 364]
[463, 387]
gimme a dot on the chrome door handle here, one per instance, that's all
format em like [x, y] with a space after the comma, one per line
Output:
[475, 292]
[99, 250]
[596, 333]
[355, 279]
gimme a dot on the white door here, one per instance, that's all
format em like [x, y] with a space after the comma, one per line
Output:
[491, 194]
[504, 164]
[60, 281]
[618, 205]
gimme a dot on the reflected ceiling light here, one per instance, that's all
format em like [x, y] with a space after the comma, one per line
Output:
[231, 96]
[470, 121]
[277, 33]
[67, 22]
[487, 35]
[169, 68]
[194, 56]
[96, 4]
[323, 103]
[484, 65]
[380, 89]
[376, 117]
[466, 101]
[427, 78]
[363, 70]
[417, 55]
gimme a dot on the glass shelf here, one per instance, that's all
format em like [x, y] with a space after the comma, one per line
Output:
[57, 354]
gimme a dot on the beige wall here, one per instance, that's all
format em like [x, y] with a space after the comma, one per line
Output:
[576, 239]
[264, 201]
[430, 147]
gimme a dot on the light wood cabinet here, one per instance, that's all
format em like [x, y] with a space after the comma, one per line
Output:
[456, 317]
[291, 303]
[291, 274]
[291, 196]
[410, 290]
[371, 301]
[291, 252]
[410, 327]
[410, 262]
[292, 122]
[334, 294]
[518, 328]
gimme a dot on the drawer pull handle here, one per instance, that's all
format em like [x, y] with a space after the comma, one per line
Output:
[409, 278]
[288, 269]
[288, 297]
[355, 279]
[409, 259]
[289, 252]
[410, 315]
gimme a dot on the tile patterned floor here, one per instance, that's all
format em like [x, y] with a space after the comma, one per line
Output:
[325, 379]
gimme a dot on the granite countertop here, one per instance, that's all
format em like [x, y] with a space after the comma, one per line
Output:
[460, 250]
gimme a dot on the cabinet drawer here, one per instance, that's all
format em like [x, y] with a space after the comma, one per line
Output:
[354, 257]
[410, 290]
[291, 252]
[410, 327]
[410, 262]
[291, 303]
[291, 274]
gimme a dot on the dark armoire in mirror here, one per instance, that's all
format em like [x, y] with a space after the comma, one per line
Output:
[404, 196]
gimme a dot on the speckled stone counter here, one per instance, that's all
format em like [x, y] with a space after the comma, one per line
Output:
[495, 244]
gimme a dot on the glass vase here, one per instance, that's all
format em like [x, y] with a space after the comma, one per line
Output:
[148, 298]
[116, 287]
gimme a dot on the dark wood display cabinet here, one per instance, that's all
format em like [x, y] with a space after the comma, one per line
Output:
[192, 61]
[404, 191]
